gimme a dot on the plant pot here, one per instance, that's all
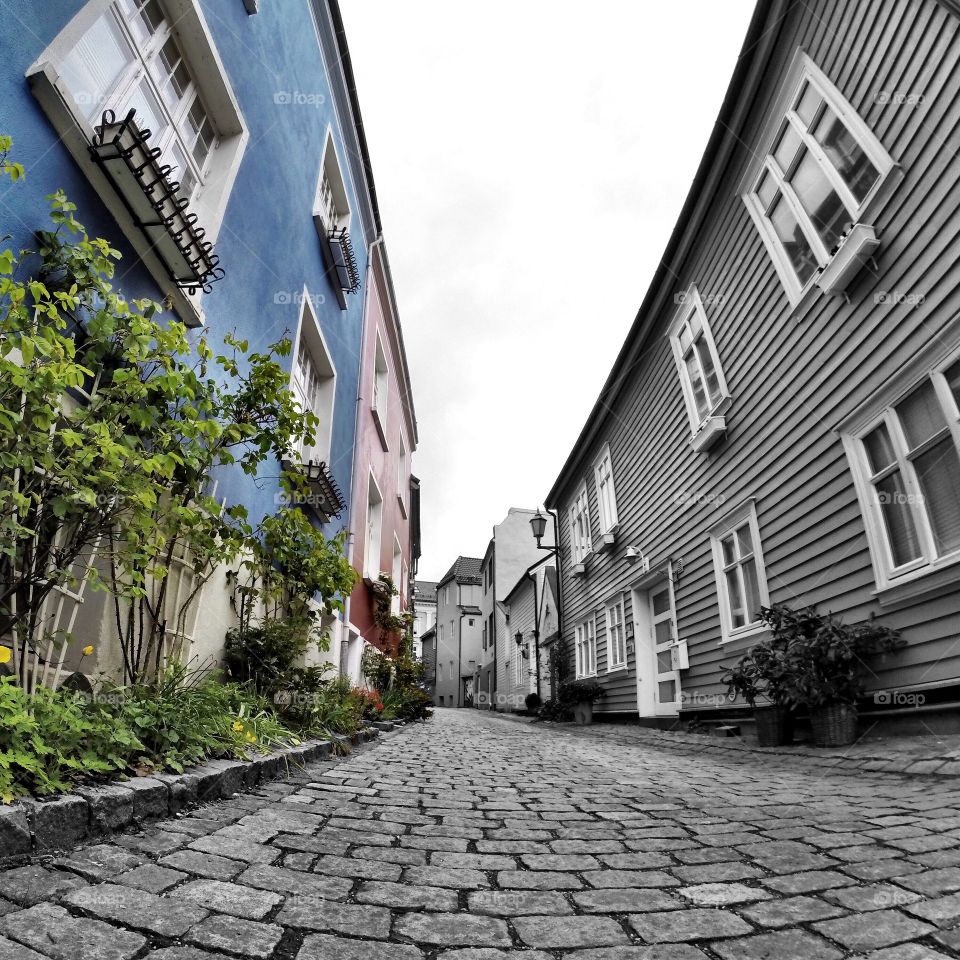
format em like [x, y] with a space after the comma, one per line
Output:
[583, 712]
[834, 724]
[774, 725]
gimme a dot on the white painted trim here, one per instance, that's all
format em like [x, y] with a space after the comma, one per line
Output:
[747, 510]
[598, 461]
[804, 69]
[892, 582]
[315, 340]
[692, 303]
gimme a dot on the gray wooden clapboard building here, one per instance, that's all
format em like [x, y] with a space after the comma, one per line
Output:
[782, 423]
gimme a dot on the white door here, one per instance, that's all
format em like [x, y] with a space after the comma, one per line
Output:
[658, 684]
[666, 680]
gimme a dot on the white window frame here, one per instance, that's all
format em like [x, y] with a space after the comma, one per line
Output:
[332, 200]
[310, 336]
[380, 390]
[803, 69]
[892, 582]
[745, 512]
[76, 131]
[585, 646]
[401, 473]
[606, 491]
[615, 615]
[691, 309]
[373, 539]
[580, 540]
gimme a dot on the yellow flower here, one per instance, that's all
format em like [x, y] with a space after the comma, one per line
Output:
[5, 654]
[88, 650]
[237, 726]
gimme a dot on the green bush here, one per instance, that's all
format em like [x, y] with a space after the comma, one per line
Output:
[53, 739]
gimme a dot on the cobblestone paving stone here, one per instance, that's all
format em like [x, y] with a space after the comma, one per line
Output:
[473, 837]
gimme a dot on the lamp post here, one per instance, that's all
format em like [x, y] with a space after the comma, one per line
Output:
[538, 525]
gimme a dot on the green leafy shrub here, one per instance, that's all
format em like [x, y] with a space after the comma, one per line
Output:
[52, 739]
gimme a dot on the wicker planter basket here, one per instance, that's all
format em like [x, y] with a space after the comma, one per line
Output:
[774, 726]
[834, 725]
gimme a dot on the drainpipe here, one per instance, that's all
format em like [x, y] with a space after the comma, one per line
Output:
[536, 629]
[493, 706]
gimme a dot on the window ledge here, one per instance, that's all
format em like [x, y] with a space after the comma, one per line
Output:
[930, 579]
[754, 630]
[710, 433]
[854, 250]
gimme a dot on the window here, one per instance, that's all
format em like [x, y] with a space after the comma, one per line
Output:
[741, 579]
[580, 527]
[698, 363]
[822, 168]
[397, 574]
[586, 649]
[606, 496]
[401, 473]
[616, 641]
[130, 58]
[381, 381]
[332, 205]
[313, 382]
[157, 58]
[371, 553]
[906, 464]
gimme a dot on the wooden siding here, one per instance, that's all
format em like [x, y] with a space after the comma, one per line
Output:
[794, 374]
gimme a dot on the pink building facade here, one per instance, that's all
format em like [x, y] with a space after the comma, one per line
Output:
[385, 498]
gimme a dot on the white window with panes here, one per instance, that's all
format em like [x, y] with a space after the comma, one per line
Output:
[313, 384]
[130, 57]
[585, 644]
[820, 168]
[905, 457]
[606, 494]
[705, 390]
[741, 578]
[581, 543]
[616, 640]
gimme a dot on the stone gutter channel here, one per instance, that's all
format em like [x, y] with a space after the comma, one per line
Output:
[30, 827]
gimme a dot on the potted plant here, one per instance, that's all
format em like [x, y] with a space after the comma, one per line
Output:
[825, 662]
[760, 675]
[581, 696]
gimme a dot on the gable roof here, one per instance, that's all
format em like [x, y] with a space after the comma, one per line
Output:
[464, 570]
[425, 591]
[748, 75]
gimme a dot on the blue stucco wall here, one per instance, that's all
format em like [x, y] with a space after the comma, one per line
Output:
[267, 244]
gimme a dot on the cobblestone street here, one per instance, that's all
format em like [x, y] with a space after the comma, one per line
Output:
[473, 837]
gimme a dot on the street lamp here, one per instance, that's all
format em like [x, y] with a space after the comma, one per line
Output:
[538, 523]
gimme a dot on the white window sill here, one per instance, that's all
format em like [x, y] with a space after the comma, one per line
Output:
[753, 630]
[912, 587]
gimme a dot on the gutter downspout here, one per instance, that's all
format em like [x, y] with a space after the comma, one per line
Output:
[496, 689]
[536, 628]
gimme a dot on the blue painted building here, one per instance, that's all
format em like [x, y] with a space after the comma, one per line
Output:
[252, 107]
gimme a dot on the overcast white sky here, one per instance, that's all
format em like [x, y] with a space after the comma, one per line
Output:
[531, 159]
